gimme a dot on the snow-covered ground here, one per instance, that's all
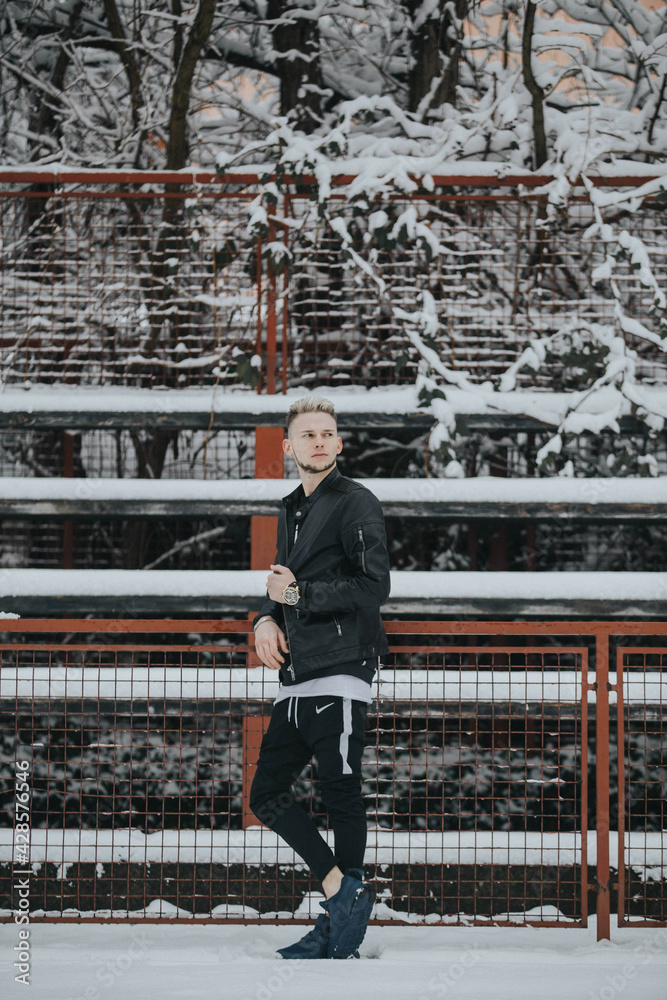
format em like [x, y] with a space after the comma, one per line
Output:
[117, 962]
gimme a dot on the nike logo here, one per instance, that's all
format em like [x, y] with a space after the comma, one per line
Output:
[318, 710]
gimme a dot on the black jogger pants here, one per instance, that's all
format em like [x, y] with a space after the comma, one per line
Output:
[331, 729]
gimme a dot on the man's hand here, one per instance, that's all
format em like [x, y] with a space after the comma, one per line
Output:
[269, 640]
[278, 580]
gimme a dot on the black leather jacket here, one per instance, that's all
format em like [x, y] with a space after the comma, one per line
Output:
[341, 565]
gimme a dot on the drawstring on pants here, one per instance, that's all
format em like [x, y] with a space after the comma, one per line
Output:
[293, 699]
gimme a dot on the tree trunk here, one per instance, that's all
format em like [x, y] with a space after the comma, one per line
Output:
[296, 41]
[435, 49]
[177, 146]
[151, 451]
[170, 244]
[128, 59]
[42, 120]
[42, 218]
[535, 91]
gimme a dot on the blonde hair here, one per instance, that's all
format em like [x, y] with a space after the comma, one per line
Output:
[309, 404]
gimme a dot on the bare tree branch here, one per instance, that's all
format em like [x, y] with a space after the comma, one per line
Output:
[128, 60]
[656, 111]
[43, 121]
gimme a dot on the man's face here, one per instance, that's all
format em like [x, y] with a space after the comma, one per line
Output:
[313, 442]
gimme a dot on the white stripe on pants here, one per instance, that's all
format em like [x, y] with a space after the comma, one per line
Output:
[345, 735]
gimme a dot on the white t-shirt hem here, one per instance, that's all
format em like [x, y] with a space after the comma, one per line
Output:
[338, 685]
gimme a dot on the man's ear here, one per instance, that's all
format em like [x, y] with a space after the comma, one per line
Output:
[287, 450]
[340, 446]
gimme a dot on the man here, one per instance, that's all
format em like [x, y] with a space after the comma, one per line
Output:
[320, 626]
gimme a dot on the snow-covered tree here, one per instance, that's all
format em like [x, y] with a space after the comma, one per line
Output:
[151, 83]
[392, 92]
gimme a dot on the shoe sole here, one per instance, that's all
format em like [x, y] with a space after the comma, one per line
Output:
[297, 957]
[355, 933]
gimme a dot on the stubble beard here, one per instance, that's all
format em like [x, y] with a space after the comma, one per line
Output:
[315, 468]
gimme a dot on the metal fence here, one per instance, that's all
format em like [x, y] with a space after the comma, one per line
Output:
[156, 279]
[486, 774]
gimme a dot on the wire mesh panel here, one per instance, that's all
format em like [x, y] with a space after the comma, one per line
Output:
[642, 779]
[479, 784]
[126, 285]
[133, 753]
[112, 543]
[127, 752]
[145, 283]
[102, 454]
[501, 275]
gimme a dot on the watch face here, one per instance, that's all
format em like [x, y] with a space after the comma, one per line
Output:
[291, 595]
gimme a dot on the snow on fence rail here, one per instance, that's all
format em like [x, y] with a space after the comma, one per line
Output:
[541, 684]
[259, 846]
[493, 491]
[386, 406]
[245, 587]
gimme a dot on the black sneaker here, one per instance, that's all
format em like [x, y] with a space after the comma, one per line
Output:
[349, 912]
[315, 944]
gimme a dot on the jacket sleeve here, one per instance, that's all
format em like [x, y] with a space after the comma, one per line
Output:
[364, 541]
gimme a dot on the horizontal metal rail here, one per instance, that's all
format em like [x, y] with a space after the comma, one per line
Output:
[199, 419]
[481, 498]
[201, 593]
[484, 177]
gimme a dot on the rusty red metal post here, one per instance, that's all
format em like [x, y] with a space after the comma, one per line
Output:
[583, 794]
[263, 528]
[254, 727]
[268, 465]
[620, 751]
[603, 881]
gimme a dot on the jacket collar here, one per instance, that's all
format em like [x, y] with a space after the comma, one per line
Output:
[298, 496]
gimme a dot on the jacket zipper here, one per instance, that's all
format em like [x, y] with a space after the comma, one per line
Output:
[289, 641]
[337, 623]
[363, 547]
